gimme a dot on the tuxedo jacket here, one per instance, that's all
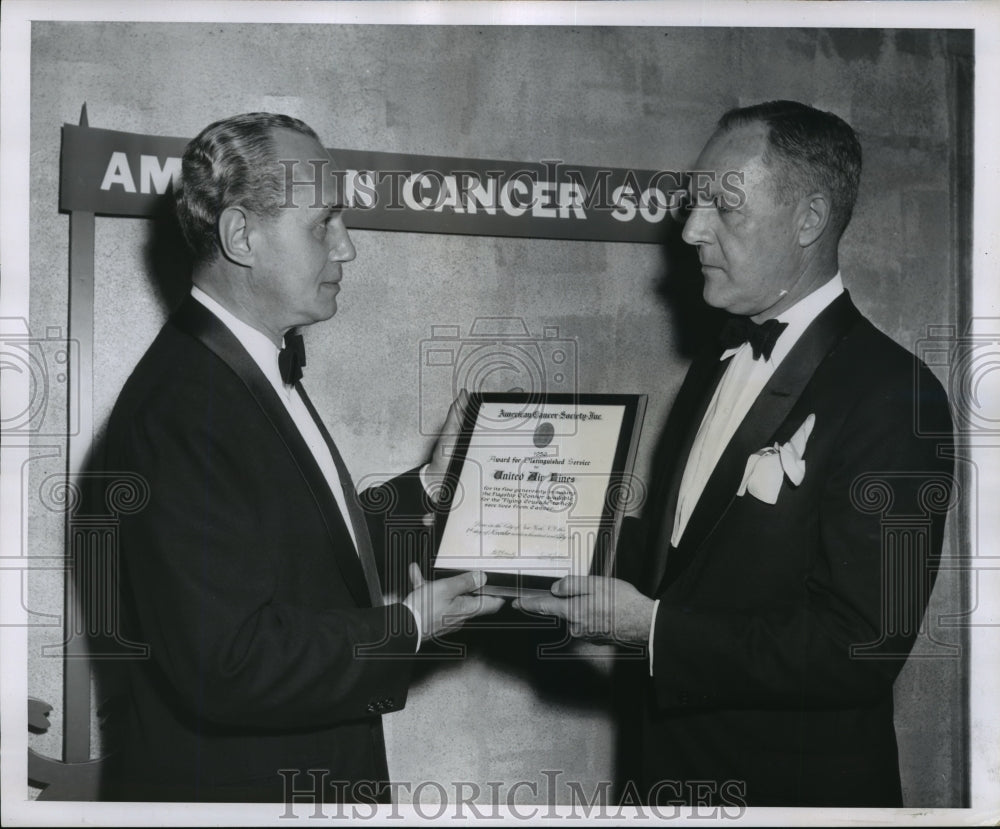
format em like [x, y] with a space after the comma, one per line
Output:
[270, 652]
[781, 627]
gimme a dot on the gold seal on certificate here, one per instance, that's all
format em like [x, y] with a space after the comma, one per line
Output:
[538, 487]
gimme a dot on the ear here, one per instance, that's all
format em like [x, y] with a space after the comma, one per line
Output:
[814, 217]
[234, 235]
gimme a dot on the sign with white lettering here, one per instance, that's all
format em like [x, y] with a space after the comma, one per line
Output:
[125, 174]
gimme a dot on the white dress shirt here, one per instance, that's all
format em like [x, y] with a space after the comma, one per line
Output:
[742, 382]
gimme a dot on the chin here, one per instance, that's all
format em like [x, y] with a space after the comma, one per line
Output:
[319, 315]
[712, 299]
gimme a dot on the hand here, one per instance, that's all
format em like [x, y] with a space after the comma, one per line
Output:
[445, 604]
[596, 607]
[444, 448]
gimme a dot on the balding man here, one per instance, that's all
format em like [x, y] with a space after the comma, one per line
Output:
[776, 609]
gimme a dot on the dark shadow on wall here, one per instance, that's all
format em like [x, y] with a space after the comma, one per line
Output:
[168, 261]
[678, 286]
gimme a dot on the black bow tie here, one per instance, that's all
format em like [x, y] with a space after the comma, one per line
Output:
[291, 359]
[762, 337]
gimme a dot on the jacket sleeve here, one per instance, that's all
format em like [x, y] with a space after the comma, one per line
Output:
[843, 636]
[204, 570]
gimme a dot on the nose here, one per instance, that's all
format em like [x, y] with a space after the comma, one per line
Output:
[341, 246]
[696, 228]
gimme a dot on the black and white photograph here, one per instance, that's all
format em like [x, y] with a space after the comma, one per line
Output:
[499, 412]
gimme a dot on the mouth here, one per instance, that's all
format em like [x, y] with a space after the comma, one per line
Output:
[333, 281]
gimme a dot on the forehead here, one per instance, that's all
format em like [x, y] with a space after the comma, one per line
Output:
[739, 145]
[738, 150]
[306, 167]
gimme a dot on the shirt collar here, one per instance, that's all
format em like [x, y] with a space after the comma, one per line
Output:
[798, 317]
[263, 352]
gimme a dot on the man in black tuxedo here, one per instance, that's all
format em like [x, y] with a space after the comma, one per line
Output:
[251, 572]
[777, 603]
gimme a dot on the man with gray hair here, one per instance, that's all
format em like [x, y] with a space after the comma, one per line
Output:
[776, 611]
[252, 572]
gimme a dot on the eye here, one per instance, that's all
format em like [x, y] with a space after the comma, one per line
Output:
[680, 208]
[721, 205]
[330, 214]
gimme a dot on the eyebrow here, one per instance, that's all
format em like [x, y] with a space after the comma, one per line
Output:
[330, 210]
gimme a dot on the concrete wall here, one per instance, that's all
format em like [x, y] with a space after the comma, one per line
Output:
[644, 98]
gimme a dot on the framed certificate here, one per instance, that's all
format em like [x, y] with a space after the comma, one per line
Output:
[537, 487]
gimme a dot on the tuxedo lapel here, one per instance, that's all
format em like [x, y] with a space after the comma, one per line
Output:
[354, 509]
[767, 421]
[196, 320]
[689, 409]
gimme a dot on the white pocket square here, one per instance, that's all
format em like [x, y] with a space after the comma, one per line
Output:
[768, 467]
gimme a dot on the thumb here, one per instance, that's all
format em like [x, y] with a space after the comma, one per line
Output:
[416, 577]
[456, 413]
[572, 586]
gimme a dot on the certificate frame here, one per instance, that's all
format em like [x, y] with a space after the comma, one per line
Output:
[489, 493]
